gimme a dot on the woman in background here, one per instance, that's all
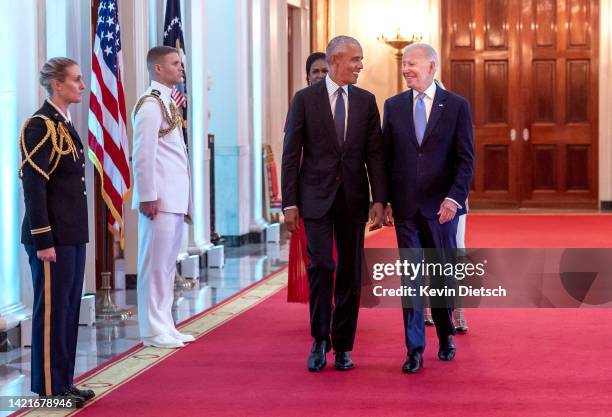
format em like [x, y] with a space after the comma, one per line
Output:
[316, 70]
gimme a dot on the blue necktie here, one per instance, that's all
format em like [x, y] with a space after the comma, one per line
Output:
[420, 118]
[339, 116]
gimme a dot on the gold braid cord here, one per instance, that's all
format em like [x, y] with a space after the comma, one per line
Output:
[173, 118]
[61, 143]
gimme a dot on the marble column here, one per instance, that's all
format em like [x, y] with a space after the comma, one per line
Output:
[18, 99]
[197, 75]
[230, 121]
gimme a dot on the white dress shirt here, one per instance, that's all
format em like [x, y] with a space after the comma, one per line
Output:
[430, 93]
[332, 91]
[65, 116]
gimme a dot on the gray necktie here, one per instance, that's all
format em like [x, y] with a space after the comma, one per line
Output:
[420, 118]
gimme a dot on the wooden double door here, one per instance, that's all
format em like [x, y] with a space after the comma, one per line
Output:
[529, 70]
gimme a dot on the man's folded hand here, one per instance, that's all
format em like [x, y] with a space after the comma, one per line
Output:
[292, 219]
[376, 216]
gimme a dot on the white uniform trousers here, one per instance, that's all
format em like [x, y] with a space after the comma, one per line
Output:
[159, 242]
[461, 232]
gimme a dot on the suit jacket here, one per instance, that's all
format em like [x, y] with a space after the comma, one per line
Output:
[421, 177]
[314, 163]
[55, 195]
[160, 164]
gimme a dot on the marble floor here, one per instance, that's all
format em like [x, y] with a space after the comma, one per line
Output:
[97, 344]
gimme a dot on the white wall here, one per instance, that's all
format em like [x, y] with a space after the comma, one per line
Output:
[366, 20]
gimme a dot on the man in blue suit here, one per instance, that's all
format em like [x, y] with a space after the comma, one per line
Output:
[429, 155]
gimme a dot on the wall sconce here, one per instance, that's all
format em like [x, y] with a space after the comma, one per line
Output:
[398, 43]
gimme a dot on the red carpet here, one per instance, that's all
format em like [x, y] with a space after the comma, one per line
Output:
[511, 363]
[527, 231]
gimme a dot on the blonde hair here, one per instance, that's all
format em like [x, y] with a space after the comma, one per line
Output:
[54, 69]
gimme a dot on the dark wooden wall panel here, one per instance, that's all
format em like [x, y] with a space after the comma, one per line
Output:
[462, 78]
[577, 163]
[462, 30]
[544, 167]
[496, 167]
[578, 16]
[577, 90]
[496, 91]
[496, 24]
[529, 70]
[545, 13]
[544, 90]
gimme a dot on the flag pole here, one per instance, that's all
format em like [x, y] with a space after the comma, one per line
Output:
[173, 36]
[105, 308]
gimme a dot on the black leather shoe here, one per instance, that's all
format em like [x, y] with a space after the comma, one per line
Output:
[87, 394]
[77, 400]
[414, 363]
[447, 349]
[343, 361]
[461, 329]
[317, 358]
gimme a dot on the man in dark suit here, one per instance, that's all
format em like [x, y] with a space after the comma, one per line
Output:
[427, 133]
[333, 134]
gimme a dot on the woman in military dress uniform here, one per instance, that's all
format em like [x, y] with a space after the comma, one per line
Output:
[54, 230]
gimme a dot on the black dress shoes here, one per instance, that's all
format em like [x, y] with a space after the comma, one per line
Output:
[87, 394]
[77, 400]
[447, 348]
[343, 361]
[317, 358]
[414, 363]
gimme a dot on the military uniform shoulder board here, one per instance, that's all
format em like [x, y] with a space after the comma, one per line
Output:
[61, 144]
[155, 94]
[172, 119]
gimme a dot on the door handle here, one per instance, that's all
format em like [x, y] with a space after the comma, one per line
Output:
[525, 134]
[512, 135]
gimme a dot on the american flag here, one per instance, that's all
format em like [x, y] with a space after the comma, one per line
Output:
[108, 142]
[173, 36]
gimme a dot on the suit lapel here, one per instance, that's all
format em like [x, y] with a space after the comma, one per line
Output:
[326, 113]
[352, 114]
[437, 108]
[408, 107]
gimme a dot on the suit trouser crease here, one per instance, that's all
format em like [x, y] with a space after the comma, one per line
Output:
[421, 232]
[59, 296]
[338, 318]
[159, 242]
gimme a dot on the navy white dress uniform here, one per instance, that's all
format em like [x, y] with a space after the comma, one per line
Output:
[161, 172]
[53, 175]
